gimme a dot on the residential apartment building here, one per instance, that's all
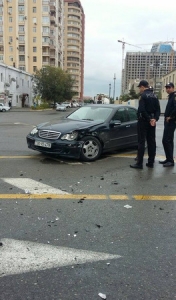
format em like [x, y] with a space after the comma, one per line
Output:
[15, 86]
[151, 66]
[31, 33]
[74, 32]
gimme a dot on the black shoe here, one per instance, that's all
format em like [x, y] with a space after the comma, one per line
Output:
[136, 166]
[136, 158]
[168, 164]
[149, 165]
[163, 161]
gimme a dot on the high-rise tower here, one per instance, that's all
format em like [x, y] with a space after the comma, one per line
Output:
[74, 31]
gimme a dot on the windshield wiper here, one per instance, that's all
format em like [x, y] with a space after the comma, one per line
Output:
[88, 119]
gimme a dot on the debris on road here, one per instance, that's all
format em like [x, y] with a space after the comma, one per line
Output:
[102, 296]
[127, 206]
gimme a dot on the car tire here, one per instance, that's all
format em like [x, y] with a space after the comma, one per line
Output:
[3, 110]
[91, 149]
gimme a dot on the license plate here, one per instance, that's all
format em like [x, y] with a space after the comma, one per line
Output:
[42, 144]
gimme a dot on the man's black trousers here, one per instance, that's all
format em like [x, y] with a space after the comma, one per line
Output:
[146, 132]
[168, 140]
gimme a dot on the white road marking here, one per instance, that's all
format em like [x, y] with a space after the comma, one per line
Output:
[17, 257]
[32, 186]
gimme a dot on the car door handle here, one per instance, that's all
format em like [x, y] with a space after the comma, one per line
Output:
[128, 126]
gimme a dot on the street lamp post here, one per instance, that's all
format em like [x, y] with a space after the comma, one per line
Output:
[109, 91]
[114, 87]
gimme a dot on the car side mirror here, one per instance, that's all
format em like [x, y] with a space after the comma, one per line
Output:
[115, 123]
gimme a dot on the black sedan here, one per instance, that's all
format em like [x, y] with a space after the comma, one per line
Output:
[87, 132]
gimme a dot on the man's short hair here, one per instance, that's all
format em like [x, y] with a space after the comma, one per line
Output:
[143, 83]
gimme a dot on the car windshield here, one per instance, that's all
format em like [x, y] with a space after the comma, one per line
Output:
[91, 113]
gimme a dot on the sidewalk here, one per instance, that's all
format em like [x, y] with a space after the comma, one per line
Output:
[26, 109]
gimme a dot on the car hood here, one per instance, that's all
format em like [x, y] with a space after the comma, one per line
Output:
[67, 125]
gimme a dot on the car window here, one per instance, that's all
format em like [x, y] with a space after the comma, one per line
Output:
[132, 113]
[91, 113]
[120, 115]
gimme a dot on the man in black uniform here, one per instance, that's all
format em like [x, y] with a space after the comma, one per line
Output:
[148, 115]
[169, 126]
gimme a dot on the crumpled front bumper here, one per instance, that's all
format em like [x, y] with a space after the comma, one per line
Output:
[61, 148]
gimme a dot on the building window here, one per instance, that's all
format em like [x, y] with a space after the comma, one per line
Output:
[34, 39]
[34, 58]
[10, 19]
[10, 29]
[34, 9]
[45, 8]
[34, 29]
[10, 39]
[20, 18]
[10, 10]
[45, 20]
[21, 8]
[34, 68]
[10, 49]
[34, 1]
[34, 49]
[10, 58]
[21, 38]
[21, 28]
[21, 58]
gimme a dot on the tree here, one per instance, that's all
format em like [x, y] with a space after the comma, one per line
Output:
[132, 93]
[53, 84]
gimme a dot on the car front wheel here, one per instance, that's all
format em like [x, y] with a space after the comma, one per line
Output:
[3, 110]
[91, 149]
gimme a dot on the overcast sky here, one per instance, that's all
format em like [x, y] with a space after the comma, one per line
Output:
[136, 22]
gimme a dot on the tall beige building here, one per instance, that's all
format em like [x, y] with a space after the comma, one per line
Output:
[74, 32]
[31, 33]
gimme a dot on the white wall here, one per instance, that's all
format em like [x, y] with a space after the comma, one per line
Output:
[19, 82]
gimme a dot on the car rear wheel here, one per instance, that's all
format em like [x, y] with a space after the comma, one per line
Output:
[91, 149]
[3, 110]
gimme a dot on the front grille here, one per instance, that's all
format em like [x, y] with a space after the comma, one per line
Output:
[49, 135]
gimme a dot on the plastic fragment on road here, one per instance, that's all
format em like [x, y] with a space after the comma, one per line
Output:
[127, 206]
[102, 296]
[27, 191]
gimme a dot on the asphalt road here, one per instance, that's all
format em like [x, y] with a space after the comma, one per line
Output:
[72, 230]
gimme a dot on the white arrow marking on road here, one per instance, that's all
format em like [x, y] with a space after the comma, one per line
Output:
[33, 186]
[18, 257]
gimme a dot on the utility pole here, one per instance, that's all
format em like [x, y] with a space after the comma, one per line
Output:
[109, 91]
[114, 87]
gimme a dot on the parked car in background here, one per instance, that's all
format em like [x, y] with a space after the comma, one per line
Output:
[67, 104]
[60, 106]
[4, 108]
[87, 132]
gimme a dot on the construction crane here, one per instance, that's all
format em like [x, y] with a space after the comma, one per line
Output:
[123, 62]
[123, 50]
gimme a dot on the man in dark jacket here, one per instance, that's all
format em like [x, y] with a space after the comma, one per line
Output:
[169, 126]
[148, 115]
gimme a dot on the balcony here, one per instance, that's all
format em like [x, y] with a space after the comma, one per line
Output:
[45, 53]
[45, 34]
[53, 7]
[45, 63]
[52, 55]
[52, 19]
[21, 63]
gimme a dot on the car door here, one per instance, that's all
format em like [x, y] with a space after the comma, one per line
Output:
[132, 129]
[119, 131]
